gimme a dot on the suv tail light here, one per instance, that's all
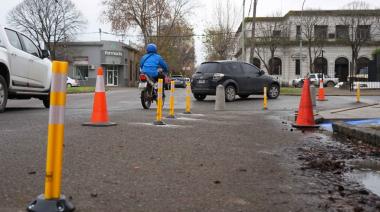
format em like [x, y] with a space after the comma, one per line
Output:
[217, 76]
[143, 77]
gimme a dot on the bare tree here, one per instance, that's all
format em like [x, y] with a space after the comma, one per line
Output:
[361, 23]
[47, 21]
[220, 38]
[272, 33]
[147, 16]
[315, 41]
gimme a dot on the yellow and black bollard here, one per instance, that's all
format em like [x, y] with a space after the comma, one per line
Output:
[357, 92]
[171, 103]
[52, 200]
[159, 104]
[188, 98]
[265, 104]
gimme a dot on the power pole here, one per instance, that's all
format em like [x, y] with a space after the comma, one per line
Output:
[243, 33]
[253, 38]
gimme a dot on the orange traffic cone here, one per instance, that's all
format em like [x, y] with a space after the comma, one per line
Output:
[305, 117]
[99, 116]
[321, 92]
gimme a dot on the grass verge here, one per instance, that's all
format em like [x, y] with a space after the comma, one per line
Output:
[290, 91]
[81, 89]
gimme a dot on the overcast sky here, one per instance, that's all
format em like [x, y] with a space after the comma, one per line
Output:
[202, 14]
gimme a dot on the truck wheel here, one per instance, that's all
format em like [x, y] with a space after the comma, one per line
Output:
[3, 94]
[330, 84]
[46, 101]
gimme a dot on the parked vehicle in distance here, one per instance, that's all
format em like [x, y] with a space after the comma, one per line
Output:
[72, 82]
[238, 78]
[315, 78]
[167, 82]
[179, 81]
[25, 70]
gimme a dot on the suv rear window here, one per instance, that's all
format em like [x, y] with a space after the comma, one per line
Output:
[209, 68]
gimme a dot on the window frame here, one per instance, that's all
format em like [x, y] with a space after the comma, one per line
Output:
[10, 30]
[255, 72]
[25, 46]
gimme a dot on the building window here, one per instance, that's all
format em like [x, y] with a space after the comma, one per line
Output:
[275, 66]
[298, 67]
[276, 33]
[298, 33]
[341, 32]
[256, 61]
[363, 32]
[320, 32]
[320, 65]
[81, 72]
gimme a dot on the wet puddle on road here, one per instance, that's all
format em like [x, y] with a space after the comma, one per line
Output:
[367, 173]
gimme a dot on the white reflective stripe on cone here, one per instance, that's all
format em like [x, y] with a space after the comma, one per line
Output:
[58, 83]
[99, 84]
[56, 114]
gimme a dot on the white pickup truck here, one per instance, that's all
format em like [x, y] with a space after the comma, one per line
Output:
[25, 70]
[315, 78]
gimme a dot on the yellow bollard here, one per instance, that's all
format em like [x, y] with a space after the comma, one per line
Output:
[265, 99]
[52, 196]
[188, 98]
[357, 92]
[159, 104]
[171, 103]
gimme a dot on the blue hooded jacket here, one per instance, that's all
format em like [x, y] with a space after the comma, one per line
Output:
[151, 61]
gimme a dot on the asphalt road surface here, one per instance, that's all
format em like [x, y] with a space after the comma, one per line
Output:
[241, 159]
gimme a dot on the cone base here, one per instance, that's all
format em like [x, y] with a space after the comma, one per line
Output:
[100, 124]
[186, 112]
[159, 123]
[322, 100]
[305, 126]
[170, 117]
[265, 108]
[53, 205]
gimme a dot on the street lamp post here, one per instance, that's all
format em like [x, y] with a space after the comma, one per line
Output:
[300, 37]
[243, 33]
[64, 26]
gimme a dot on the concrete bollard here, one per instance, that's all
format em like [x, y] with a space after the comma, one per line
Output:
[220, 98]
[313, 95]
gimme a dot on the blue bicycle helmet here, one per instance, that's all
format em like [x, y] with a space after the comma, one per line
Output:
[151, 48]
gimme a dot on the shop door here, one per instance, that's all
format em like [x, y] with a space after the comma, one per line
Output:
[112, 78]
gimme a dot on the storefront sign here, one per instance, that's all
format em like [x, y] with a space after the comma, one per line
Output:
[113, 53]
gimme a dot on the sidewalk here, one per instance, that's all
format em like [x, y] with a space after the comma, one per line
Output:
[346, 92]
[361, 111]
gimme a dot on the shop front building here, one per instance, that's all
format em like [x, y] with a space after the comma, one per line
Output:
[118, 60]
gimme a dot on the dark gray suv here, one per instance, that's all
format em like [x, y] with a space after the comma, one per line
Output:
[238, 78]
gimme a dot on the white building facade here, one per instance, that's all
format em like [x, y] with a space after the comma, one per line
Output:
[330, 56]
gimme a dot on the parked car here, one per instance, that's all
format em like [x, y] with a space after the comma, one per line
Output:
[179, 81]
[25, 69]
[315, 78]
[238, 78]
[72, 82]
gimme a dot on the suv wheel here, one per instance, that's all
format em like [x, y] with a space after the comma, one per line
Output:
[46, 101]
[3, 94]
[230, 93]
[200, 97]
[274, 91]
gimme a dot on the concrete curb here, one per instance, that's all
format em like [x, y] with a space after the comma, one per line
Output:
[366, 135]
